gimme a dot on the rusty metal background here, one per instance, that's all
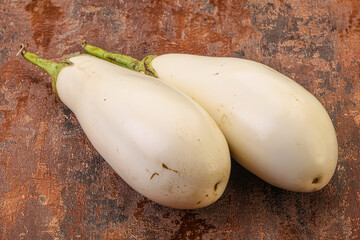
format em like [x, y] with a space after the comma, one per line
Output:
[54, 185]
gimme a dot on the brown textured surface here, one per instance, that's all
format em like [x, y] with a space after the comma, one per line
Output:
[54, 185]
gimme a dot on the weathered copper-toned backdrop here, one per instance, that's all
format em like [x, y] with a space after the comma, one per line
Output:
[54, 185]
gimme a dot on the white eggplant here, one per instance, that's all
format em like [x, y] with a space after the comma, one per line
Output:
[162, 143]
[274, 127]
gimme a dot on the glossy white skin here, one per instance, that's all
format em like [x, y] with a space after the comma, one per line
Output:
[274, 127]
[162, 143]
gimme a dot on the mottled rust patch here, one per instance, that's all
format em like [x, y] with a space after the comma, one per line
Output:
[192, 227]
[140, 208]
[44, 17]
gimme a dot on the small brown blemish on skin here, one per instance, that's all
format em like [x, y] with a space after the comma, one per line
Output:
[104, 99]
[216, 186]
[316, 180]
[198, 202]
[166, 167]
[154, 174]
[216, 74]
[207, 195]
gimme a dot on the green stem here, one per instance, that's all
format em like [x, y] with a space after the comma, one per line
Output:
[122, 60]
[48, 66]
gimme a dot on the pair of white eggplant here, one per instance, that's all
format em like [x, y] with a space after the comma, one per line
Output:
[168, 148]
